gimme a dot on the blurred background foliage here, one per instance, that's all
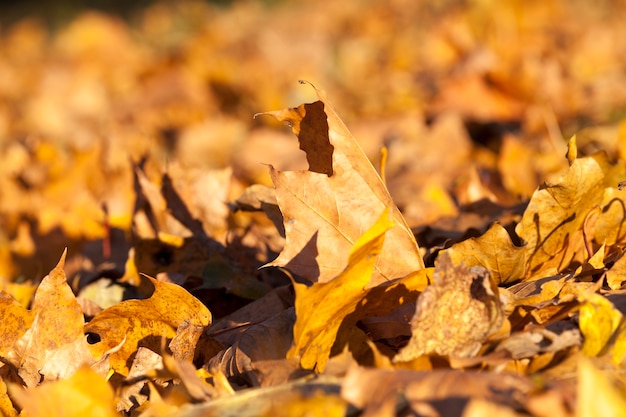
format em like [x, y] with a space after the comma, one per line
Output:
[474, 99]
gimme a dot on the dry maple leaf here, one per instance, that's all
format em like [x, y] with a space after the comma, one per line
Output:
[557, 211]
[327, 208]
[136, 322]
[455, 314]
[493, 250]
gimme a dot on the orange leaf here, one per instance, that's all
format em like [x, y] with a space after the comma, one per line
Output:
[15, 321]
[144, 322]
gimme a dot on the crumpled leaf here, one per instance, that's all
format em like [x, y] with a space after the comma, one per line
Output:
[328, 207]
[556, 212]
[494, 251]
[145, 322]
[321, 308]
[455, 314]
[68, 397]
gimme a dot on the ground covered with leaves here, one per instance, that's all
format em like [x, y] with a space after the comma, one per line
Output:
[446, 238]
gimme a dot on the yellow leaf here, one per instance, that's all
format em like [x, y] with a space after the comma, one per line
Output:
[598, 320]
[556, 212]
[618, 343]
[597, 396]
[493, 250]
[328, 207]
[83, 394]
[610, 225]
[321, 308]
[572, 150]
[145, 321]
[6, 406]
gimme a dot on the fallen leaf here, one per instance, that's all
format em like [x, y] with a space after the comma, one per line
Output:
[317, 398]
[455, 314]
[257, 344]
[328, 207]
[381, 391]
[495, 252]
[555, 212]
[6, 406]
[597, 395]
[321, 308]
[145, 322]
[598, 320]
[15, 321]
[68, 397]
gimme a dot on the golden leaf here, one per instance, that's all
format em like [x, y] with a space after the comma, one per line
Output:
[598, 320]
[494, 251]
[556, 212]
[83, 394]
[321, 308]
[597, 396]
[145, 322]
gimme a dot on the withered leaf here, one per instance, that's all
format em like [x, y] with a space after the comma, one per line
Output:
[15, 321]
[455, 314]
[327, 208]
[556, 212]
[55, 345]
[69, 397]
[145, 322]
[494, 251]
[379, 390]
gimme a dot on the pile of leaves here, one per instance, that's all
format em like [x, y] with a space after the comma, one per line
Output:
[452, 253]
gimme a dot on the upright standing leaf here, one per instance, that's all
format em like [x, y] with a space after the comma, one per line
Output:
[328, 207]
[55, 345]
